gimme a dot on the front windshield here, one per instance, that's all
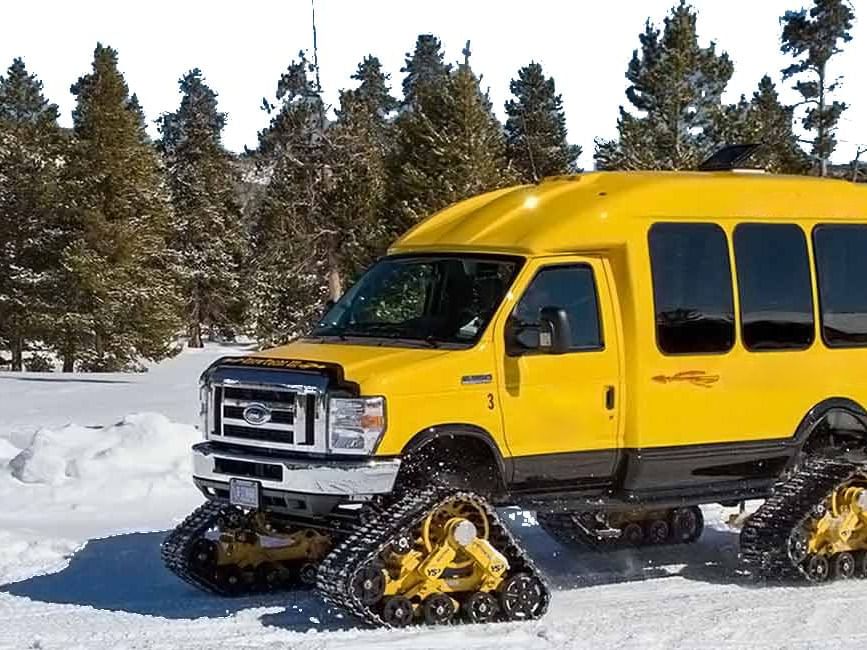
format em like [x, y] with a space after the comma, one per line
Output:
[435, 299]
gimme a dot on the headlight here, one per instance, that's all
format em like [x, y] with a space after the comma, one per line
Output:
[205, 409]
[355, 426]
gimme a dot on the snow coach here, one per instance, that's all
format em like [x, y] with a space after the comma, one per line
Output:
[611, 350]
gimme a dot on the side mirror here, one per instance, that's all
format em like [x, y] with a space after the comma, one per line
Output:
[555, 333]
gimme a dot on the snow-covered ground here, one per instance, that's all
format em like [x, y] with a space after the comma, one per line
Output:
[94, 469]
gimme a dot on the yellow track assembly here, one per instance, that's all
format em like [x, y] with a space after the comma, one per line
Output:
[814, 526]
[225, 551]
[434, 558]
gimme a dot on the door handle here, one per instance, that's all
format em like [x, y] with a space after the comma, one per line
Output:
[609, 398]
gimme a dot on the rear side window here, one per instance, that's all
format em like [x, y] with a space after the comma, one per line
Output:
[841, 266]
[776, 296]
[692, 288]
[571, 288]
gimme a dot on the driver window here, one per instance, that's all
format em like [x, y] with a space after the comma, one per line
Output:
[573, 289]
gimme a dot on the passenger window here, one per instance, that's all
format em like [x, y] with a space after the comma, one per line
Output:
[571, 288]
[774, 286]
[692, 288]
[841, 266]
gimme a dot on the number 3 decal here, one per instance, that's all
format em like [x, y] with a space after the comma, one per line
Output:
[491, 401]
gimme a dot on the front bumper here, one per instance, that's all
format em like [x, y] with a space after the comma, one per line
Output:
[348, 478]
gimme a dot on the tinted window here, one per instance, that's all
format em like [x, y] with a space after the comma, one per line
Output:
[841, 266]
[692, 288]
[571, 288]
[774, 285]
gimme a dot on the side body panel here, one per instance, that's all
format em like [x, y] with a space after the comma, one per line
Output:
[700, 420]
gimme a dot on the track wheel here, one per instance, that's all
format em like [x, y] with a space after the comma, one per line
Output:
[369, 584]
[818, 568]
[658, 531]
[204, 554]
[632, 534]
[686, 524]
[268, 576]
[797, 547]
[861, 564]
[437, 609]
[307, 574]
[402, 544]
[397, 611]
[231, 579]
[843, 566]
[521, 597]
[480, 607]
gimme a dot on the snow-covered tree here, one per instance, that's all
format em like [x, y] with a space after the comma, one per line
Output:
[207, 233]
[676, 87]
[361, 140]
[32, 150]
[813, 38]
[292, 261]
[536, 127]
[449, 144]
[118, 302]
[764, 120]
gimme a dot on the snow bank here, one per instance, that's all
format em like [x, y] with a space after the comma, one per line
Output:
[72, 483]
[145, 445]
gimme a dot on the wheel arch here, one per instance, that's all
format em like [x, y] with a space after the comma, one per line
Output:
[831, 418]
[473, 441]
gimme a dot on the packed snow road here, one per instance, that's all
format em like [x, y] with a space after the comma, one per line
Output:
[93, 469]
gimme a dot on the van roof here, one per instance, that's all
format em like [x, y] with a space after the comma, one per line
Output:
[603, 210]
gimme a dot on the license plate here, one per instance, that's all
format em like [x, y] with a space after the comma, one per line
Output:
[244, 493]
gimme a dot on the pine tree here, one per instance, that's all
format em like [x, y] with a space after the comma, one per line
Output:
[207, 232]
[361, 141]
[118, 303]
[449, 144]
[676, 85]
[764, 120]
[813, 38]
[373, 90]
[424, 70]
[293, 260]
[32, 148]
[536, 127]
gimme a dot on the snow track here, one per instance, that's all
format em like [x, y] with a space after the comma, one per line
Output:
[93, 489]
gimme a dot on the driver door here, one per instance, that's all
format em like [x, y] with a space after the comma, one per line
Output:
[561, 411]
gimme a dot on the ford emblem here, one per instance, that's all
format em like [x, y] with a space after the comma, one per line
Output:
[257, 414]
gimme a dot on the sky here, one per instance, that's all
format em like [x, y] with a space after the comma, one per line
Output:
[243, 47]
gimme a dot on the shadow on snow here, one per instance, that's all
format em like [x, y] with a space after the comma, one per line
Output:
[125, 573]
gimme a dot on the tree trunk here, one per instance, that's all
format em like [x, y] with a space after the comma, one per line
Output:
[195, 334]
[18, 353]
[68, 354]
[195, 324]
[335, 283]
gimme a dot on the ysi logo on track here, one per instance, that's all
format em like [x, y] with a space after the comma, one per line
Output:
[257, 414]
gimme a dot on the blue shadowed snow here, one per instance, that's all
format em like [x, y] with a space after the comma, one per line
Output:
[125, 573]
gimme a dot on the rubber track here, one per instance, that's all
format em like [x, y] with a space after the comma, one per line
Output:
[338, 570]
[177, 546]
[765, 535]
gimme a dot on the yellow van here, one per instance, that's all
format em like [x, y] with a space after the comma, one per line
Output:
[610, 350]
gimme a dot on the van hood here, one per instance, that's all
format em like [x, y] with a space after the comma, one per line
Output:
[392, 370]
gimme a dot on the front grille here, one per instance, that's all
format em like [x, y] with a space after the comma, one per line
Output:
[289, 419]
